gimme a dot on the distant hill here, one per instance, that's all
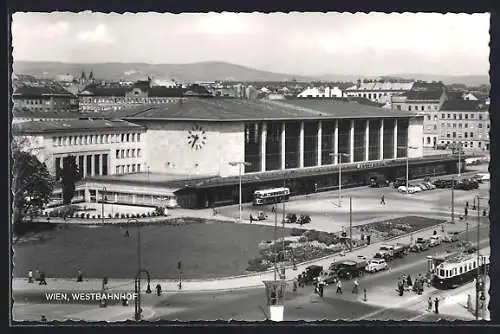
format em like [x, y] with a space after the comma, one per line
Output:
[204, 71]
[208, 71]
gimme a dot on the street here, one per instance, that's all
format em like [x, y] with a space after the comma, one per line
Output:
[250, 304]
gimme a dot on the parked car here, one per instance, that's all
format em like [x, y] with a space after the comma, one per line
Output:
[350, 268]
[377, 181]
[451, 236]
[260, 216]
[430, 185]
[291, 218]
[304, 219]
[435, 240]
[420, 245]
[383, 255]
[411, 189]
[416, 187]
[400, 250]
[439, 183]
[376, 265]
[482, 177]
[312, 272]
[423, 186]
[398, 182]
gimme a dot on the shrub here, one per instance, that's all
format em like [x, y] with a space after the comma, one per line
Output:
[127, 215]
[302, 239]
[88, 215]
[123, 216]
[110, 215]
[99, 216]
[117, 215]
[143, 215]
[296, 232]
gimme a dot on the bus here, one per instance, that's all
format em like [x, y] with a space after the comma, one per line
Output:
[273, 195]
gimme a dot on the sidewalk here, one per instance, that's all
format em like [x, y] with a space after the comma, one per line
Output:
[217, 284]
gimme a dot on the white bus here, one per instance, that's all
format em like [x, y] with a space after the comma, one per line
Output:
[274, 195]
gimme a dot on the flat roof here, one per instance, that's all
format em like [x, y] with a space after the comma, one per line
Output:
[147, 178]
[70, 125]
[233, 110]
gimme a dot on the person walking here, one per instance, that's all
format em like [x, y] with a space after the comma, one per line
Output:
[467, 204]
[42, 278]
[339, 287]
[30, 276]
[382, 199]
[408, 281]
[436, 305]
[79, 276]
[429, 304]
[355, 286]
[158, 289]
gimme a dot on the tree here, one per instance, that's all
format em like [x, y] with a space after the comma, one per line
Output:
[32, 184]
[70, 176]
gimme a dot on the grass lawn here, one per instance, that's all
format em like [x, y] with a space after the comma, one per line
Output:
[206, 250]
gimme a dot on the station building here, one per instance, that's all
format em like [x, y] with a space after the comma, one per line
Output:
[193, 150]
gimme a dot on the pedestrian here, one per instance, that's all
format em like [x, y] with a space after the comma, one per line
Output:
[79, 276]
[127, 234]
[43, 318]
[37, 275]
[30, 276]
[273, 210]
[339, 287]
[435, 232]
[466, 211]
[436, 305]
[429, 304]
[158, 289]
[408, 280]
[42, 278]
[294, 284]
[382, 199]
[355, 286]
[467, 204]
[321, 287]
[251, 218]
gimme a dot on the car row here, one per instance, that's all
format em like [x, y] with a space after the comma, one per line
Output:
[415, 188]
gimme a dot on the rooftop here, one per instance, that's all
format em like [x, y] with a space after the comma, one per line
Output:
[381, 86]
[214, 109]
[70, 125]
[41, 89]
[464, 105]
[423, 95]
[26, 113]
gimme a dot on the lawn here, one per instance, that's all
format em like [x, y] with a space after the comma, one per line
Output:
[211, 249]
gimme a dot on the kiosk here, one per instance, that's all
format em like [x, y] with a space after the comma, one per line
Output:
[275, 294]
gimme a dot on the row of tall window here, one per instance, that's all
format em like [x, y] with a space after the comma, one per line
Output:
[128, 153]
[422, 107]
[125, 169]
[96, 139]
[153, 99]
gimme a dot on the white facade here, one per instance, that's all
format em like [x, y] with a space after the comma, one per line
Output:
[321, 92]
[171, 150]
[380, 92]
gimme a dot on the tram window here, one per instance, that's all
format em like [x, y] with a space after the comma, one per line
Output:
[441, 272]
[461, 270]
[474, 264]
[454, 271]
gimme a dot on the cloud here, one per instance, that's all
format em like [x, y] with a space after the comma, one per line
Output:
[100, 34]
[221, 24]
[45, 31]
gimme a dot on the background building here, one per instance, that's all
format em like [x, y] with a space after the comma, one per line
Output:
[43, 96]
[465, 121]
[378, 91]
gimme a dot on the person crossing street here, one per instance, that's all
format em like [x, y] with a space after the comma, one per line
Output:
[339, 287]
[382, 199]
[355, 287]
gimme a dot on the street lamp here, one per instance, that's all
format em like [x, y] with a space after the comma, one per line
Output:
[478, 287]
[407, 148]
[139, 270]
[459, 158]
[239, 163]
[103, 198]
[340, 155]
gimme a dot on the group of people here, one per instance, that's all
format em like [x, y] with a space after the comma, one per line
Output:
[405, 283]
[39, 277]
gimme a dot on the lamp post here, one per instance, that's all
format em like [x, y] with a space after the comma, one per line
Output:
[407, 148]
[478, 278]
[459, 158]
[103, 198]
[339, 155]
[147, 168]
[139, 270]
[240, 163]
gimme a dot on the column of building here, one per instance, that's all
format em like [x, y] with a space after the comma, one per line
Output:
[367, 140]
[395, 138]
[283, 146]
[263, 139]
[319, 143]
[381, 136]
[351, 143]
[301, 145]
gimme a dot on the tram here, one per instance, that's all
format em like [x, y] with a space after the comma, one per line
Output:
[459, 268]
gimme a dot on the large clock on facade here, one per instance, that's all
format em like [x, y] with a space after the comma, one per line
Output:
[197, 137]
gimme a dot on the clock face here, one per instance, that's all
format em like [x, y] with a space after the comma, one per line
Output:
[197, 137]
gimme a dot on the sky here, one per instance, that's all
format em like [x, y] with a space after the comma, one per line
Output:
[295, 43]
